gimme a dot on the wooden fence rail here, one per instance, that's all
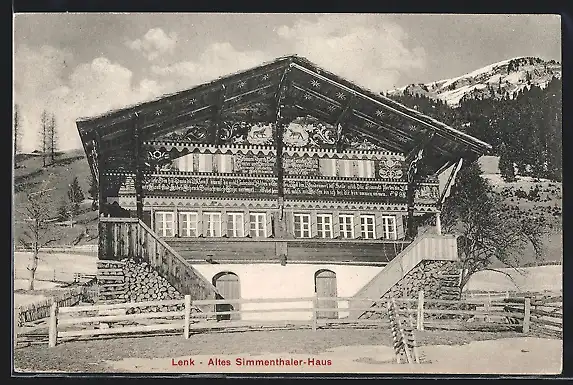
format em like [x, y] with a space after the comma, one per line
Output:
[418, 311]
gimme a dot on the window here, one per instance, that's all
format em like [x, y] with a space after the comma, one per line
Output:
[327, 166]
[324, 225]
[346, 168]
[184, 163]
[346, 223]
[164, 223]
[368, 226]
[188, 223]
[389, 227]
[258, 224]
[302, 225]
[235, 225]
[213, 224]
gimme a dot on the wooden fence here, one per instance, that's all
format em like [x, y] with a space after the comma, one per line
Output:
[41, 309]
[114, 319]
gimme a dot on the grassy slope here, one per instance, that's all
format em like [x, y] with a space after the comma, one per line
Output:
[549, 205]
[30, 175]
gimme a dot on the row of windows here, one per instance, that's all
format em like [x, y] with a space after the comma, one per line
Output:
[257, 225]
[189, 224]
[324, 226]
[224, 163]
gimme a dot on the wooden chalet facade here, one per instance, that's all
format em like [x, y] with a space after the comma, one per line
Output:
[284, 163]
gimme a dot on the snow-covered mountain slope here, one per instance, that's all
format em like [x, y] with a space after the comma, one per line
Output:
[495, 80]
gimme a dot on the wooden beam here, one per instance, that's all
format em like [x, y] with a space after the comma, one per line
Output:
[278, 136]
[450, 182]
[412, 175]
[218, 107]
[138, 172]
[339, 124]
[422, 145]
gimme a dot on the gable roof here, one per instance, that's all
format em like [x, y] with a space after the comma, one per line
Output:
[308, 88]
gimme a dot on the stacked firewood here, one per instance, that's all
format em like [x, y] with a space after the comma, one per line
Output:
[143, 283]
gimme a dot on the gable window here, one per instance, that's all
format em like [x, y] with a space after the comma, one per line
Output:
[302, 225]
[346, 223]
[213, 224]
[188, 224]
[367, 226]
[389, 227]
[165, 223]
[324, 225]
[258, 224]
[235, 225]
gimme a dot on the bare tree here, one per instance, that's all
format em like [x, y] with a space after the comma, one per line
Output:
[52, 138]
[44, 138]
[37, 233]
[16, 135]
[488, 229]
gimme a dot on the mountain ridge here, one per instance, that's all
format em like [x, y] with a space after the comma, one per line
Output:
[495, 80]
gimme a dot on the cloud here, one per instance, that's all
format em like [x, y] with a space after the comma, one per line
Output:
[218, 59]
[154, 43]
[357, 47]
[89, 89]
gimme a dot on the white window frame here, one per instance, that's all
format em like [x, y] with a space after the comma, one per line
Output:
[366, 231]
[189, 227]
[258, 224]
[388, 223]
[305, 226]
[344, 220]
[324, 228]
[236, 225]
[211, 231]
[163, 230]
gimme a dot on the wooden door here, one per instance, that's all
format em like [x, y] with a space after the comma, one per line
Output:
[325, 286]
[229, 287]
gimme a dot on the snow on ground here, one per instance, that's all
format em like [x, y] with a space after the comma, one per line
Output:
[503, 356]
[60, 266]
[538, 278]
[22, 284]
[26, 299]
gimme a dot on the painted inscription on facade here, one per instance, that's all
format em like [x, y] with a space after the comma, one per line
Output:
[253, 164]
[210, 185]
[294, 165]
[348, 190]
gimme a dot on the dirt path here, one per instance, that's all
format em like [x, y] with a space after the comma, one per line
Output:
[506, 356]
[350, 350]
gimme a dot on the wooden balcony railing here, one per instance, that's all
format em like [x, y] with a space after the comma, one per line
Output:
[131, 238]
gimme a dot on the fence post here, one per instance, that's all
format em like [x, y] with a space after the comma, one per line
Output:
[53, 326]
[527, 315]
[16, 324]
[487, 306]
[314, 315]
[420, 315]
[187, 316]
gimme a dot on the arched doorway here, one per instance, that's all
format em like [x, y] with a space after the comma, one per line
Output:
[325, 286]
[228, 285]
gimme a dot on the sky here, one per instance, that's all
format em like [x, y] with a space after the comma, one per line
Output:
[81, 65]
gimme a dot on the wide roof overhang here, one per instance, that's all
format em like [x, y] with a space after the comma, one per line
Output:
[309, 90]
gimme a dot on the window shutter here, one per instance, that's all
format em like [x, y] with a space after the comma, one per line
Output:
[289, 223]
[400, 226]
[269, 224]
[378, 228]
[195, 158]
[224, 222]
[369, 168]
[335, 224]
[206, 162]
[181, 217]
[313, 226]
[247, 222]
[357, 226]
[176, 232]
[205, 227]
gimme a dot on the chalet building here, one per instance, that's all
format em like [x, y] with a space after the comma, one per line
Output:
[281, 181]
